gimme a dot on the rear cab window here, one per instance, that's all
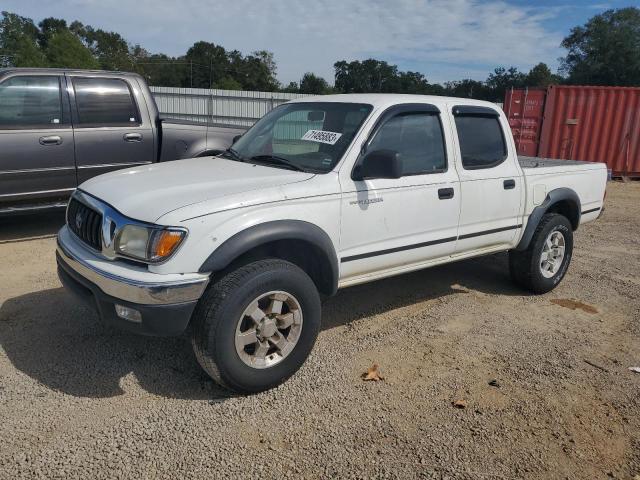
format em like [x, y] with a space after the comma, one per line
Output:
[104, 102]
[31, 102]
[481, 138]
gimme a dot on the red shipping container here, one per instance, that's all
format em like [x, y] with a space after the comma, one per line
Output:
[598, 124]
[525, 109]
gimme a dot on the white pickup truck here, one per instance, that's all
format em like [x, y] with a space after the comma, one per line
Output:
[320, 194]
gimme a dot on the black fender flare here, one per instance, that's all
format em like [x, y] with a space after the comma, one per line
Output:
[263, 233]
[553, 197]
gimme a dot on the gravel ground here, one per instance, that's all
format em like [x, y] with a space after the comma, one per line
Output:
[78, 400]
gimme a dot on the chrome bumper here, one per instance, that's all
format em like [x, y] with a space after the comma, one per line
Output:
[134, 291]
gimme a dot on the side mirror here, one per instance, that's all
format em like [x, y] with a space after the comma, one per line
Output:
[235, 139]
[379, 164]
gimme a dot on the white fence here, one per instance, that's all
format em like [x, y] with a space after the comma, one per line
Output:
[222, 107]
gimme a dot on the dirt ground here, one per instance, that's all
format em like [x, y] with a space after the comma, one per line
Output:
[546, 388]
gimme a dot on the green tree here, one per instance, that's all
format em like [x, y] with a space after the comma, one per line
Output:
[256, 71]
[54, 43]
[262, 65]
[467, 89]
[313, 84]
[413, 82]
[110, 49]
[49, 27]
[207, 64]
[501, 79]
[19, 42]
[293, 87]
[605, 50]
[436, 89]
[365, 77]
[228, 83]
[541, 76]
[378, 76]
[65, 50]
[267, 58]
[159, 69]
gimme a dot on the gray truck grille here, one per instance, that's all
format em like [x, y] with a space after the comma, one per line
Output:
[86, 223]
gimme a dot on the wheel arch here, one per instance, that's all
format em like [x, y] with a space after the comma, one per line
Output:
[564, 201]
[302, 243]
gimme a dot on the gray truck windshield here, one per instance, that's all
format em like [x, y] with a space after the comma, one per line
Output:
[309, 136]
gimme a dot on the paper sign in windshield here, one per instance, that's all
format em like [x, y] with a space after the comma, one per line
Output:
[321, 136]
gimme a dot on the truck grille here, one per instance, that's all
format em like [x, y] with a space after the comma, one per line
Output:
[86, 223]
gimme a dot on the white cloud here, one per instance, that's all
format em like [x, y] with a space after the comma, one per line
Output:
[444, 39]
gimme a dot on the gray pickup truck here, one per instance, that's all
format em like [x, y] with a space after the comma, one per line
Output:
[59, 128]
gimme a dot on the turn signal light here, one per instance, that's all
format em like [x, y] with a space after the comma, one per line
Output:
[165, 243]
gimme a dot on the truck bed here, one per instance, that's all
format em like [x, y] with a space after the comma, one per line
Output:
[186, 138]
[539, 162]
[587, 179]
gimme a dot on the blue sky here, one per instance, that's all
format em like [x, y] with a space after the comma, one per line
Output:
[571, 13]
[443, 39]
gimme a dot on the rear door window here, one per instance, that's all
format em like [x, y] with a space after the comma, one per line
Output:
[482, 143]
[31, 102]
[104, 102]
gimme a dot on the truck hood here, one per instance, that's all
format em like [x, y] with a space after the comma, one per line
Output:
[148, 192]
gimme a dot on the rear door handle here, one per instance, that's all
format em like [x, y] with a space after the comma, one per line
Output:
[445, 193]
[52, 140]
[509, 184]
[132, 137]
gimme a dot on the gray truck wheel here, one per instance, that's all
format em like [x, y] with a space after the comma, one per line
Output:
[542, 266]
[256, 325]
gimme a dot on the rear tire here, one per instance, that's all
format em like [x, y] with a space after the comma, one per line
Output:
[542, 266]
[256, 325]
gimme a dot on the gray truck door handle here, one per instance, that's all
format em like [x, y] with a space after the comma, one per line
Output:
[52, 140]
[445, 193]
[132, 137]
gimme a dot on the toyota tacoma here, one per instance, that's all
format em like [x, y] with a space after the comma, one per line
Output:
[320, 194]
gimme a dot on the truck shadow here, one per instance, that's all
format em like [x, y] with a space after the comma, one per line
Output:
[27, 227]
[489, 274]
[49, 337]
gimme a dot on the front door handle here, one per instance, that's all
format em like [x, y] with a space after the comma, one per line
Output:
[51, 140]
[132, 137]
[509, 184]
[445, 193]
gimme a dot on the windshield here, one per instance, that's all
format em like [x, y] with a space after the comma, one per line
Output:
[309, 136]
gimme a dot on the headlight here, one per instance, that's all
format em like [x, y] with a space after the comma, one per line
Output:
[149, 244]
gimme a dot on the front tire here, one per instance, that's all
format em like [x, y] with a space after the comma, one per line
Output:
[256, 325]
[542, 266]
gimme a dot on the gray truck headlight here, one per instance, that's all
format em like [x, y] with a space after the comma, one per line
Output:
[149, 244]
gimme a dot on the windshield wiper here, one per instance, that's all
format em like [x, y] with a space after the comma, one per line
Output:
[277, 161]
[234, 155]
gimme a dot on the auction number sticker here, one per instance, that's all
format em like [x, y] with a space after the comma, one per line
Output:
[321, 136]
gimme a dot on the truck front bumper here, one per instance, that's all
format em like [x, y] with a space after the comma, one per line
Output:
[148, 307]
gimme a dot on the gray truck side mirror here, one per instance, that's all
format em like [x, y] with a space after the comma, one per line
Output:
[379, 164]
